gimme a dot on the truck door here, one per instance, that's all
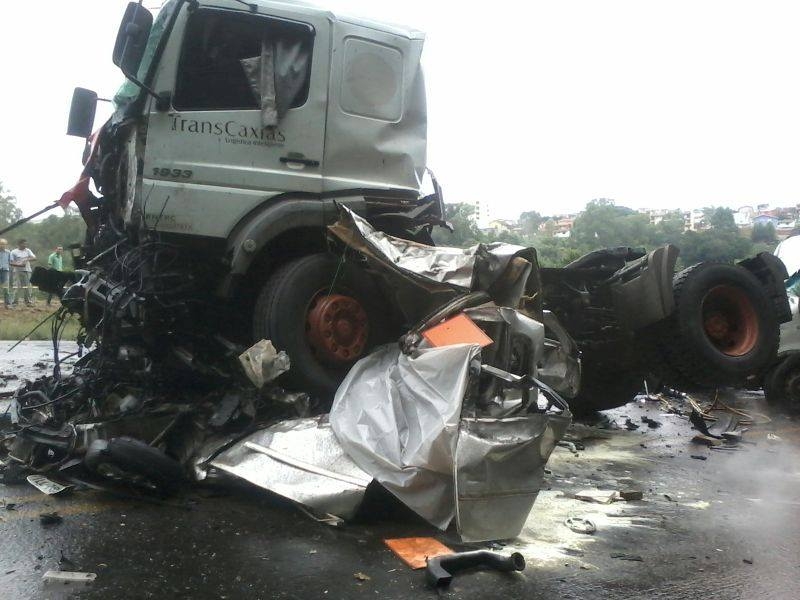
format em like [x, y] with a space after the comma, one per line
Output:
[213, 157]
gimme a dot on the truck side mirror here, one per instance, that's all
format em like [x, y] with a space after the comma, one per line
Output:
[81, 113]
[132, 38]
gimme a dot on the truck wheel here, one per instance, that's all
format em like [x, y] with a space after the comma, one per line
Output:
[782, 384]
[324, 316]
[724, 328]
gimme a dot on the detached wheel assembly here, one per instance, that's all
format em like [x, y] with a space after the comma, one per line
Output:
[724, 328]
[324, 315]
[782, 384]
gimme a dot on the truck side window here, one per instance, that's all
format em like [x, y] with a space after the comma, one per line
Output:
[210, 72]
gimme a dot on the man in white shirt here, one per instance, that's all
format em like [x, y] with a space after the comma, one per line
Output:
[21, 259]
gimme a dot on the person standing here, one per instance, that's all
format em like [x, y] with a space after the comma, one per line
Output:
[55, 261]
[20, 260]
[5, 272]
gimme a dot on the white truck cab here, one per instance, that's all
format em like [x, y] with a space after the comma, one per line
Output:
[344, 108]
[241, 126]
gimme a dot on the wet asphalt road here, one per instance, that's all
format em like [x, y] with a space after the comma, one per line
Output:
[725, 528]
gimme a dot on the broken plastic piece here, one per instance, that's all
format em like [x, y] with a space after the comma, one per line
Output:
[441, 568]
[629, 495]
[580, 525]
[459, 329]
[262, 363]
[47, 486]
[600, 496]
[415, 551]
[67, 577]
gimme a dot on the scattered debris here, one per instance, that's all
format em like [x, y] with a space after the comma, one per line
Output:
[47, 486]
[262, 363]
[630, 495]
[630, 425]
[599, 496]
[698, 457]
[651, 423]
[440, 569]
[699, 423]
[773, 438]
[362, 576]
[580, 525]
[748, 561]
[706, 440]
[624, 556]
[50, 518]
[68, 577]
[732, 436]
[415, 551]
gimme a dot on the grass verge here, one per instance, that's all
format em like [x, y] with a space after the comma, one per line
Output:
[17, 323]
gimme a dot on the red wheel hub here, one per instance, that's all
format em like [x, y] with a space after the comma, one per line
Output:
[337, 327]
[730, 320]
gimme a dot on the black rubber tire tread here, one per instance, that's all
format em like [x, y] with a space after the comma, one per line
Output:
[684, 345]
[279, 315]
[775, 390]
[134, 456]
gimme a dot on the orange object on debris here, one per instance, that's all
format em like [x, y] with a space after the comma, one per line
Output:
[456, 330]
[414, 551]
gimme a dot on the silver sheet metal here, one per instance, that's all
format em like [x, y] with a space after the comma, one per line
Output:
[453, 267]
[499, 466]
[304, 462]
[397, 417]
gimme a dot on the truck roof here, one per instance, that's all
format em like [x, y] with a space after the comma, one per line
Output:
[312, 8]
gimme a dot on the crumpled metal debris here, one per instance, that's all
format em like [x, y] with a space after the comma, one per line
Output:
[302, 460]
[456, 267]
[460, 432]
[262, 363]
[400, 418]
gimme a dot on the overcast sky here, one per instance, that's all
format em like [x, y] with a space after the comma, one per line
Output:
[532, 105]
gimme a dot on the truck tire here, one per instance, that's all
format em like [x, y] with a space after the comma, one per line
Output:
[325, 316]
[724, 329]
[782, 384]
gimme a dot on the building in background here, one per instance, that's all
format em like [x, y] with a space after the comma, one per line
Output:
[694, 220]
[743, 217]
[657, 215]
[483, 215]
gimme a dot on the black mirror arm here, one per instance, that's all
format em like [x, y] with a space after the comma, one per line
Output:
[162, 100]
[147, 89]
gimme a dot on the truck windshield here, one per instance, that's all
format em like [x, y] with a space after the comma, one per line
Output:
[129, 91]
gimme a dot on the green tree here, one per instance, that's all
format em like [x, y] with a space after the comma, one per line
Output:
[56, 230]
[668, 231]
[529, 222]
[9, 211]
[604, 225]
[720, 219]
[764, 233]
[465, 232]
[722, 242]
